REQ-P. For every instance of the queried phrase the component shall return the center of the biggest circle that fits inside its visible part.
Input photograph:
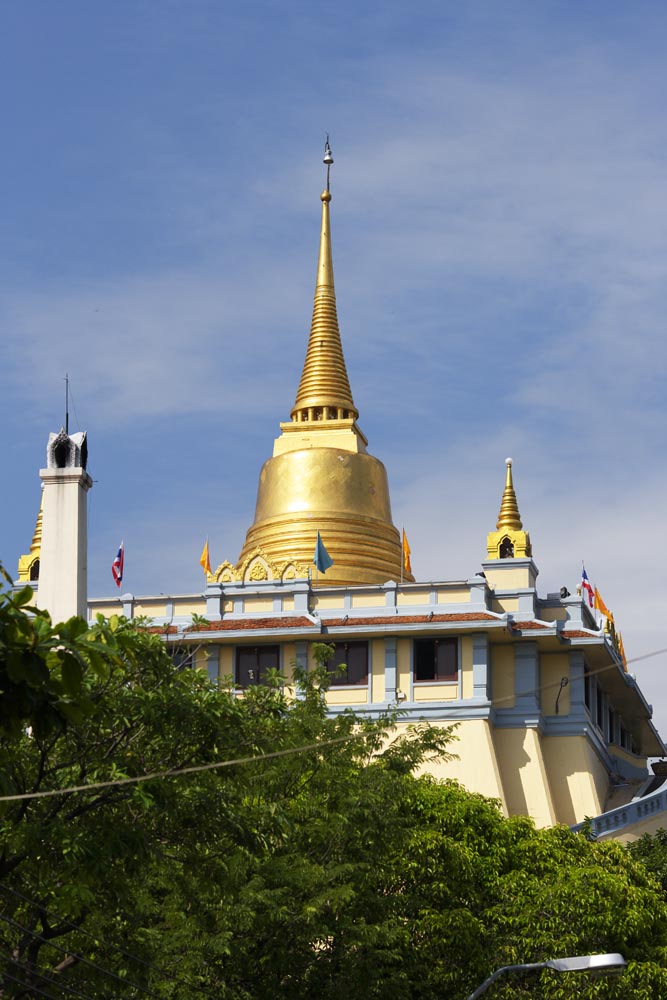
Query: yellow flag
(621, 649)
(601, 606)
(407, 568)
(205, 560)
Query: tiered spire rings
(509, 541)
(509, 516)
(324, 390)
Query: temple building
(549, 721)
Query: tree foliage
(651, 851)
(330, 872)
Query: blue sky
(500, 247)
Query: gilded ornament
(258, 572)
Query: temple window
(34, 571)
(353, 656)
(506, 549)
(252, 663)
(436, 659)
(183, 657)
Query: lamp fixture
(576, 963)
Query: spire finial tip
(328, 160)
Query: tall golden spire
(509, 516)
(321, 477)
(324, 390)
(509, 541)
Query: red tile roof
(578, 634)
(467, 616)
(251, 624)
(528, 626)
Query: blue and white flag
(321, 558)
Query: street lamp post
(577, 963)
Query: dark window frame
(432, 660)
(250, 663)
(356, 656)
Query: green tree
(651, 851)
(330, 872)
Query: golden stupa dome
(321, 477)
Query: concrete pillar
(63, 572)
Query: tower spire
(508, 516)
(324, 390)
(321, 477)
(509, 541)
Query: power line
(177, 772)
(114, 947)
(29, 986)
(53, 982)
(80, 958)
(591, 673)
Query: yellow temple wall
(524, 774)
(467, 684)
(411, 598)
(499, 605)
(458, 596)
(287, 661)
(403, 650)
(258, 605)
(553, 614)
(553, 667)
(443, 691)
(502, 661)
(377, 672)
(107, 610)
(504, 578)
(475, 765)
(577, 776)
(226, 663)
(347, 696)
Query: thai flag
(117, 565)
(586, 587)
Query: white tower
(63, 571)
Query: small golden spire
(29, 563)
(509, 516)
(36, 545)
(324, 390)
(509, 541)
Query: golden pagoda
(509, 541)
(321, 477)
